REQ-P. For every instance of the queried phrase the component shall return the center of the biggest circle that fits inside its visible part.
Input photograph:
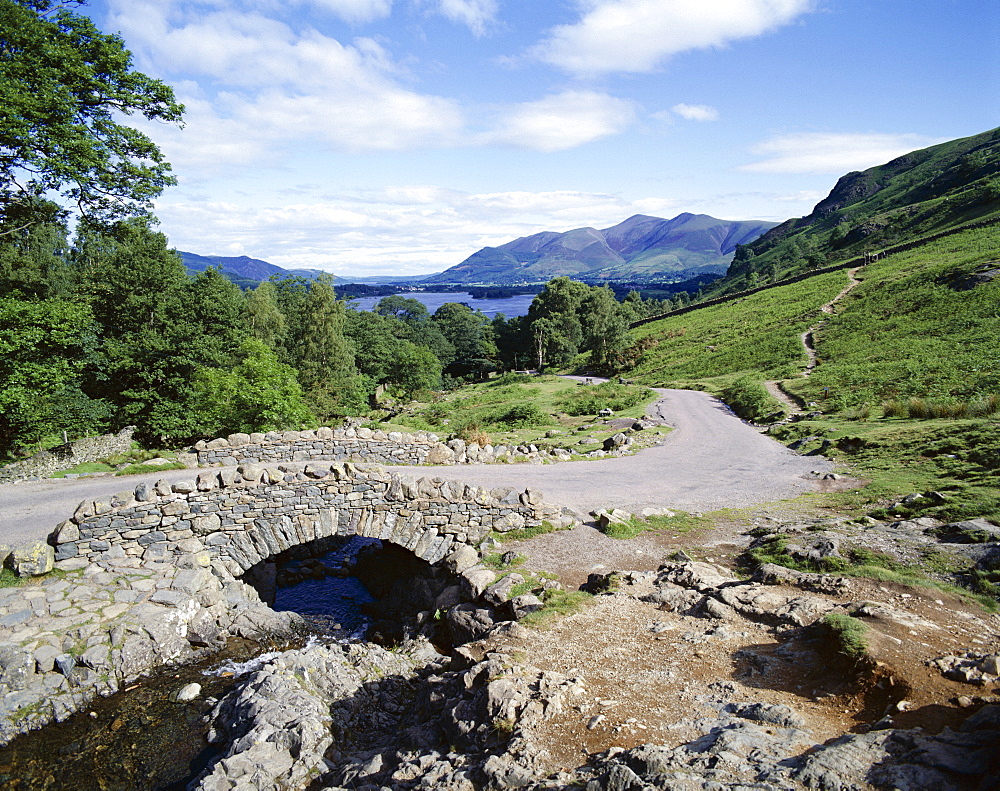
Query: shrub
(473, 432)
(851, 634)
(930, 409)
(749, 399)
(858, 413)
(517, 416)
(591, 399)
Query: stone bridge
(242, 516)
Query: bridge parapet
(240, 517)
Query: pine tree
(326, 357)
(264, 318)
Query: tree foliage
(258, 394)
(63, 86)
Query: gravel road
(711, 460)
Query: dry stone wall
(359, 444)
(62, 457)
(246, 515)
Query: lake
(432, 300)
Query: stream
(138, 740)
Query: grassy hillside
(758, 334)
(915, 327)
(907, 386)
(918, 194)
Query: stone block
(64, 533)
(170, 598)
(66, 551)
(475, 581)
(208, 481)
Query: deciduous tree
(64, 88)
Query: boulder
(475, 581)
(468, 622)
(499, 591)
(33, 560)
(524, 604)
(462, 558)
(617, 442)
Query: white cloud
(355, 10)
(561, 121)
(696, 112)
(832, 152)
(639, 35)
(476, 14)
(406, 229)
(256, 91)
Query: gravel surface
(711, 460)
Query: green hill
(906, 389)
(919, 194)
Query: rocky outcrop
(366, 718)
(738, 753)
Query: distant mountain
(639, 248)
(246, 272)
(243, 267)
(918, 194)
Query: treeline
(109, 330)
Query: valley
(715, 509)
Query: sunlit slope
(757, 334)
(922, 323)
(918, 194)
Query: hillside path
(711, 460)
(808, 340)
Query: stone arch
(239, 517)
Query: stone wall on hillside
(62, 457)
(359, 444)
(247, 515)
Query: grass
(757, 335)
(512, 411)
(129, 463)
(494, 561)
(557, 603)
(523, 533)
(958, 459)
(678, 524)
(851, 634)
(907, 332)
(862, 562)
(8, 579)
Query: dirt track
(711, 460)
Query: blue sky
(369, 137)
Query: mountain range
(640, 248)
